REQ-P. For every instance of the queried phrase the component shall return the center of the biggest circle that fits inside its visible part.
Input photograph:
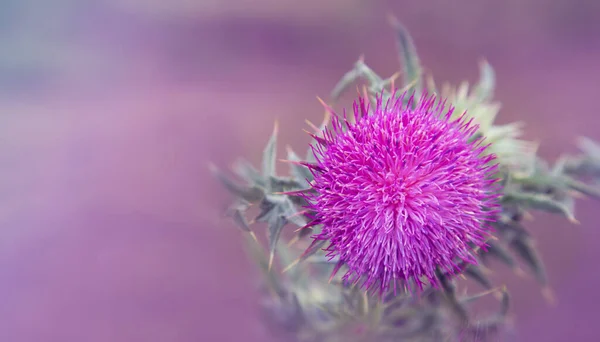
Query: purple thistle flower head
(401, 192)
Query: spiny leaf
(527, 252)
(237, 214)
(408, 57)
(590, 148)
(540, 182)
(501, 253)
(270, 154)
(249, 173)
(349, 78)
(476, 274)
(583, 188)
(540, 202)
(251, 194)
(450, 294)
(273, 282)
(275, 228)
(277, 211)
(283, 184)
(484, 90)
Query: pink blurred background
(110, 222)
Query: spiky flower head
(404, 191)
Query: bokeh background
(110, 224)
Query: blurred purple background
(110, 111)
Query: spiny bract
(404, 191)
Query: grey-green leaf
(527, 252)
(476, 274)
(249, 173)
(349, 78)
(484, 90)
(251, 194)
(540, 202)
(270, 154)
(301, 174)
(583, 188)
(408, 58)
(276, 225)
(501, 253)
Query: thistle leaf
(583, 188)
(301, 173)
(540, 202)
(524, 248)
(249, 173)
(501, 253)
(590, 148)
(251, 194)
(348, 78)
(275, 228)
(476, 274)
(237, 214)
(484, 90)
(273, 282)
(408, 58)
(450, 295)
(270, 154)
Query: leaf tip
(253, 236)
(549, 296)
(271, 256)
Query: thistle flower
(404, 192)
(401, 193)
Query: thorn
(253, 236)
(519, 272)
(271, 255)
(393, 79)
(312, 125)
(289, 149)
(528, 216)
(462, 276)
(392, 20)
(331, 278)
(324, 104)
(573, 220)
(276, 127)
(409, 85)
(361, 58)
(485, 270)
(358, 90)
(212, 167)
(295, 162)
(290, 266)
(321, 141)
(576, 194)
(293, 240)
(298, 213)
(326, 118)
(497, 292)
(299, 229)
(365, 92)
(549, 295)
(289, 193)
